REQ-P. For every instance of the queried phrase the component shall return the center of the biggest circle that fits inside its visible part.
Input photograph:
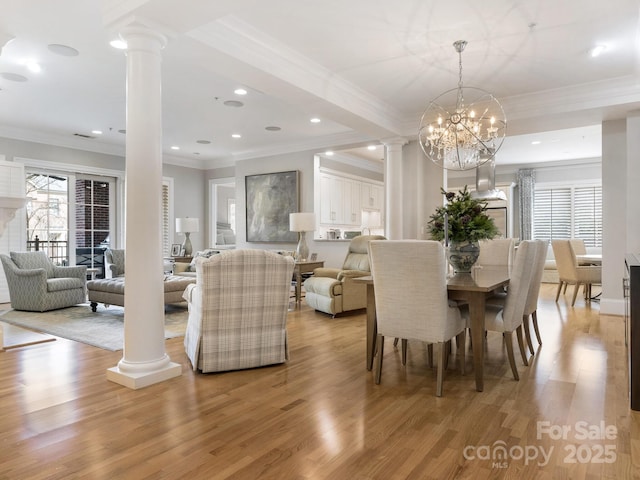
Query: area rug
(104, 328)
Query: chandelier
(463, 127)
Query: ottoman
(110, 291)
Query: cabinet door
(332, 199)
(354, 204)
(371, 196)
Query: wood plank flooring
(320, 416)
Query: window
(93, 221)
(568, 212)
(47, 215)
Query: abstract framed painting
(270, 198)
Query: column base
(136, 380)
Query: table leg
(372, 326)
(476, 315)
(298, 287)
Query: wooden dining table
(472, 288)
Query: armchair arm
(31, 282)
(346, 274)
(326, 272)
(76, 271)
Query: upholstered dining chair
(411, 299)
(531, 305)
(37, 285)
(238, 310)
(570, 273)
(508, 317)
(497, 252)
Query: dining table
(471, 288)
(589, 259)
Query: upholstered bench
(110, 291)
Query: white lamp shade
(188, 224)
(302, 222)
(370, 219)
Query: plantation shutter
(166, 246)
(552, 213)
(588, 215)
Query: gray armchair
(37, 285)
(113, 263)
(332, 290)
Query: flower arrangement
(465, 218)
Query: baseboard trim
(611, 306)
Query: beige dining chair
(531, 305)
(570, 273)
(411, 299)
(508, 317)
(497, 252)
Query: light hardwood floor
(320, 416)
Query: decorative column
(393, 188)
(144, 360)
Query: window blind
(568, 212)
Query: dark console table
(632, 264)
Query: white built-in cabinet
(342, 200)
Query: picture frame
(270, 198)
(313, 257)
(175, 249)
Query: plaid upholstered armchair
(37, 285)
(238, 310)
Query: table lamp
(187, 226)
(302, 222)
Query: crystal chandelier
(463, 127)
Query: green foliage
(467, 218)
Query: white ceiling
(367, 68)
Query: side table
(299, 269)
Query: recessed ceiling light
(315, 120)
(96, 132)
(236, 135)
(240, 91)
(273, 128)
(119, 44)
(203, 142)
(597, 50)
(175, 147)
(329, 153)
(14, 77)
(233, 103)
(371, 147)
(63, 50)
(536, 142)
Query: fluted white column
(144, 360)
(393, 188)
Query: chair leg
(523, 351)
(565, 288)
(527, 333)
(559, 290)
(380, 345)
(395, 342)
(534, 317)
(430, 354)
(512, 361)
(448, 353)
(440, 373)
(404, 351)
(575, 294)
(461, 340)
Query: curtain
(526, 190)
